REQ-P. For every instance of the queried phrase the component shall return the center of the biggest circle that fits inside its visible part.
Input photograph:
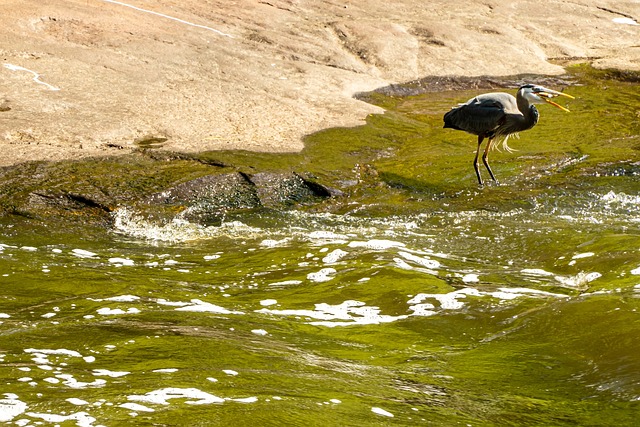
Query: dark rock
(210, 198)
(228, 191)
(203, 200)
(277, 190)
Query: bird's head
(539, 94)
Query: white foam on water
(376, 244)
(56, 352)
(163, 301)
(535, 272)
(108, 373)
(106, 311)
(513, 293)
(259, 332)
(4, 316)
(162, 396)
(448, 301)
(635, 271)
(348, 313)
(324, 275)
(286, 283)
(11, 407)
(400, 263)
(211, 257)
(81, 253)
(583, 255)
(451, 300)
(268, 302)
(380, 411)
(578, 281)
(119, 262)
(423, 310)
(119, 298)
(621, 198)
(76, 401)
(334, 256)
(470, 278)
(251, 399)
(165, 371)
(82, 419)
(230, 372)
(136, 407)
(327, 237)
(205, 307)
(422, 261)
(126, 221)
(70, 381)
(270, 243)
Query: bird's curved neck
(529, 113)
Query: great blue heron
(499, 115)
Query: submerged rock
(204, 200)
(208, 199)
(230, 190)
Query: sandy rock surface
(90, 77)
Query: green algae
(570, 359)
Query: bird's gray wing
(480, 115)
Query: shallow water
(422, 305)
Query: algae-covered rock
(209, 198)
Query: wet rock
(229, 191)
(277, 190)
(208, 199)
(48, 204)
(204, 200)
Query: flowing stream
(509, 305)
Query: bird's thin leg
(475, 161)
(485, 158)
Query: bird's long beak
(547, 94)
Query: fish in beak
(546, 95)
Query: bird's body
(499, 115)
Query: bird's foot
(491, 184)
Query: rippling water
(519, 317)
(421, 300)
